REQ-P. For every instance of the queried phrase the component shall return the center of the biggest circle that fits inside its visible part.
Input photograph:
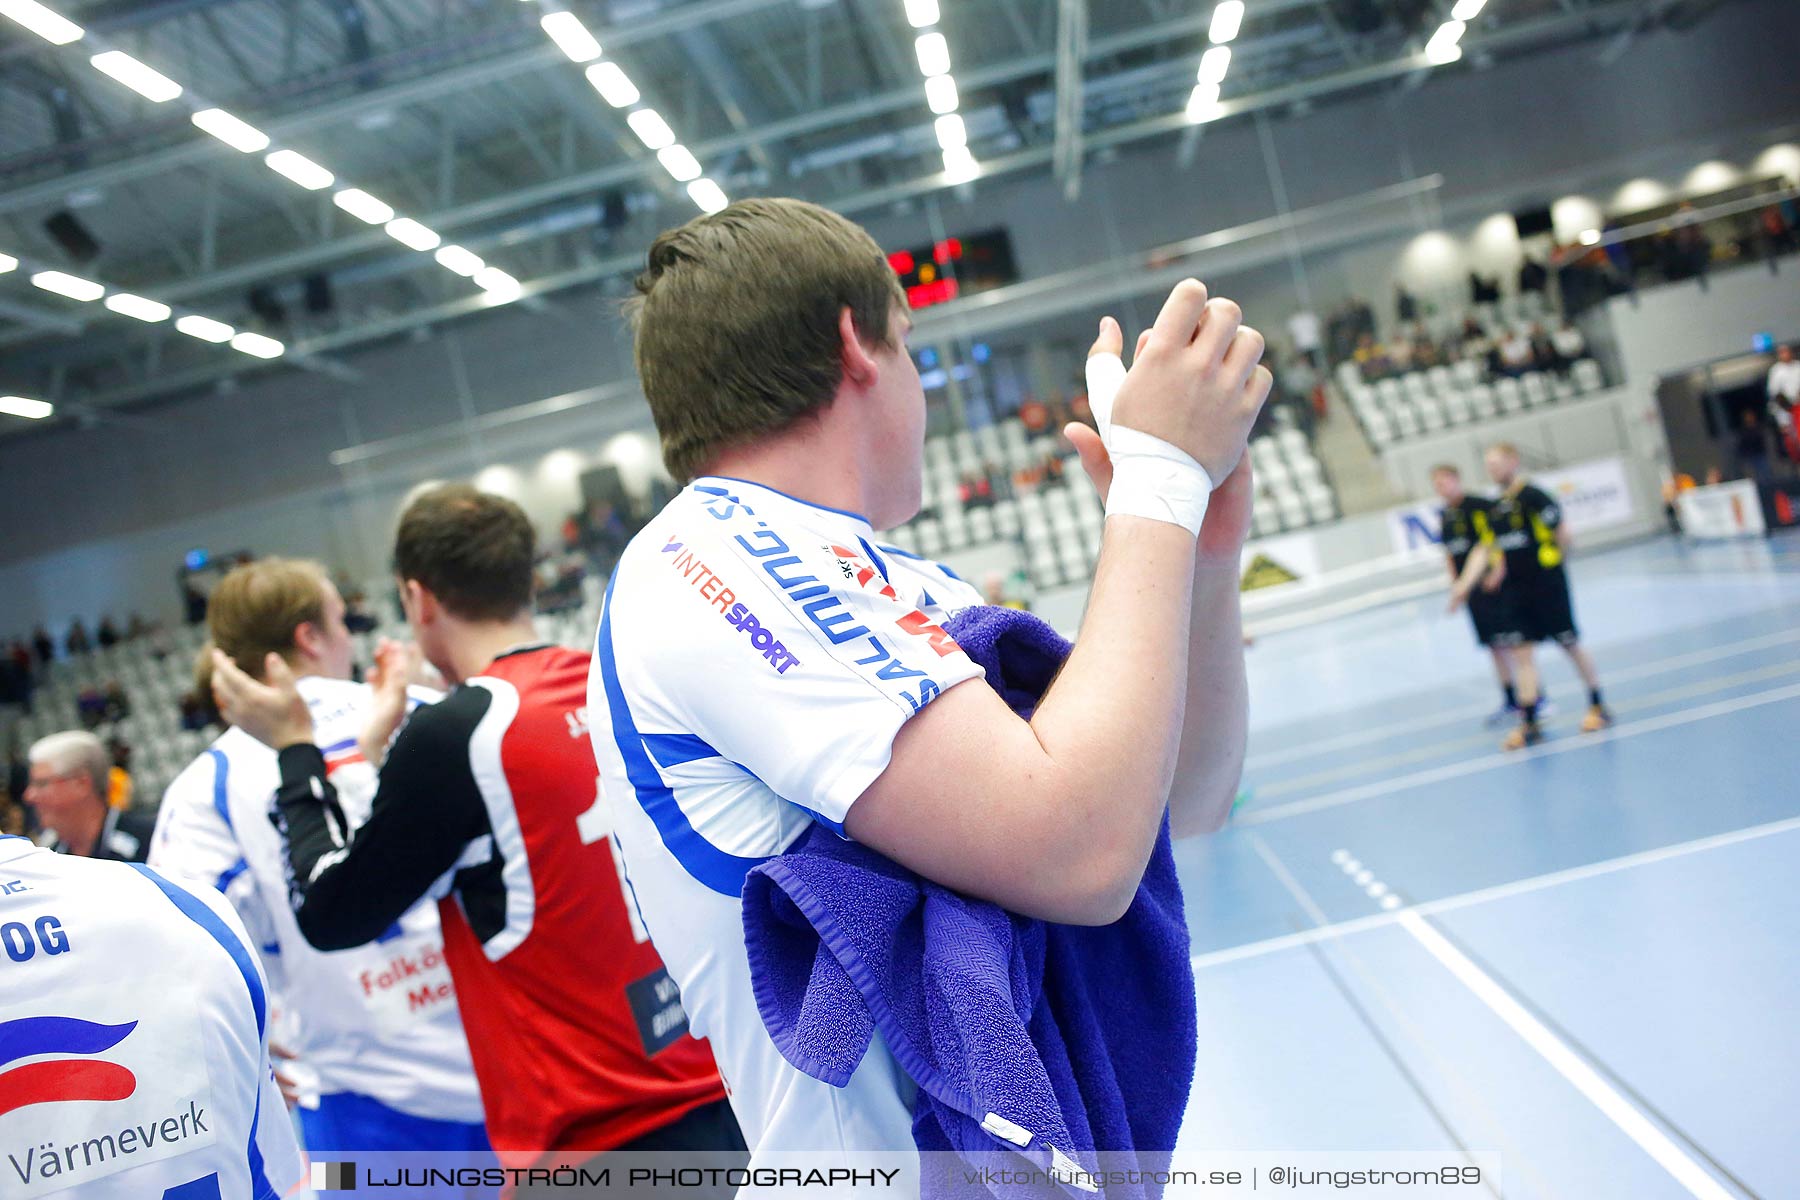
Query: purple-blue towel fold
(1083, 1036)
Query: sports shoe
(1508, 713)
(1597, 718)
(1522, 736)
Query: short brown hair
(736, 319)
(1446, 469)
(1506, 448)
(256, 609)
(471, 549)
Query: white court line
(1500, 758)
(1454, 716)
(1439, 750)
(1517, 887)
(1570, 1065)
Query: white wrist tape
(1151, 478)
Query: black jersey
(1522, 524)
(1461, 528)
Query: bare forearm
(1216, 724)
(1112, 722)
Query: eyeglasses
(30, 784)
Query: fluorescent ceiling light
(463, 261)
(363, 206)
(1214, 63)
(1226, 19)
(204, 328)
(940, 93)
(146, 82)
(257, 345)
(960, 165)
(7, 263)
(499, 286)
(239, 135)
(1467, 10)
(138, 306)
(680, 162)
(651, 129)
(1203, 103)
(920, 13)
(22, 406)
(614, 86)
(934, 54)
(413, 235)
(301, 169)
(571, 36)
(72, 286)
(951, 132)
(57, 30)
(707, 194)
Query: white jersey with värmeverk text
(134, 1057)
(756, 657)
(379, 1020)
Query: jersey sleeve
(349, 885)
(1541, 505)
(194, 841)
(795, 660)
(1484, 529)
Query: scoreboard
(956, 266)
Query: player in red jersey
(489, 800)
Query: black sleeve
(1541, 505)
(347, 891)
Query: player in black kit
(1525, 527)
(1479, 588)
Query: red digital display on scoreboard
(954, 266)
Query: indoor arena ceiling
(490, 124)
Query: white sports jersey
(379, 1020)
(757, 655)
(134, 1059)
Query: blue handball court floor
(1584, 956)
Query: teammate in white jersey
(764, 662)
(378, 1025)
(134, 1059)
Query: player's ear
(859, 362)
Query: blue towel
(1084, 1037)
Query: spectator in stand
(1543, 350)
(1533, 276)
(1406, 305)
(108, 634)
(1753, 450)
(357, 617)
(117, 703)
(46, 649)
(1303, 327)
(90, 707)
(19, 675)
(1515, 354)
(1034, 415)
(1569, 344)
(69, 789)
(1425, 351)
(12, 815)
(77, 642)
(136, 628)
(1400, 352)
(1784, 387)
(1371, 358)
(198, 709)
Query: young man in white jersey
(134, 1050)
(378, 1026)
(764, 661)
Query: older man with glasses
(67, 792)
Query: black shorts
(1488, 613)
(1539, 607)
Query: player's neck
(478, 643)
(818, 460)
